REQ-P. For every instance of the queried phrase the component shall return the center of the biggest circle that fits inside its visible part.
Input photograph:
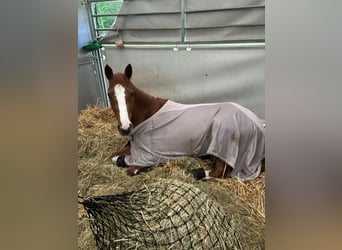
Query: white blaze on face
(119, 91)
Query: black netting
(164, 215)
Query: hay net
(164, 215)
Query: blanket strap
(224, 170)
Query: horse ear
(108, 72)
(128, 71)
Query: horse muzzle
(127, 131)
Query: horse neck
(145, 106)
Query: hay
(164, 214)
(98, 138)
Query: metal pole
(183, 19)
(192, 46)
(97, 54)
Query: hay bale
(97, 133)
(166, 214)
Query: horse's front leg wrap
(120, 161)
(118, 157)
(198, 173)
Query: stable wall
(196, 76)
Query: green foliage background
(110, 7)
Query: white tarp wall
(226, 60)
(212, 75)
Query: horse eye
(108, 95)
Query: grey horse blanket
(225, 130)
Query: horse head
(121, 95)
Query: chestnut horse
(133, 107)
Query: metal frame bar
(176, 12)
(227, 9)
(183, 29)
(97, 55)
(139, 14)
(192, 46)
(127, 29)
(95, 1)
(183, 21)
(227, 26)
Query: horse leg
(126, 150)
(118, 157)
(221, 169)
(134, 170)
